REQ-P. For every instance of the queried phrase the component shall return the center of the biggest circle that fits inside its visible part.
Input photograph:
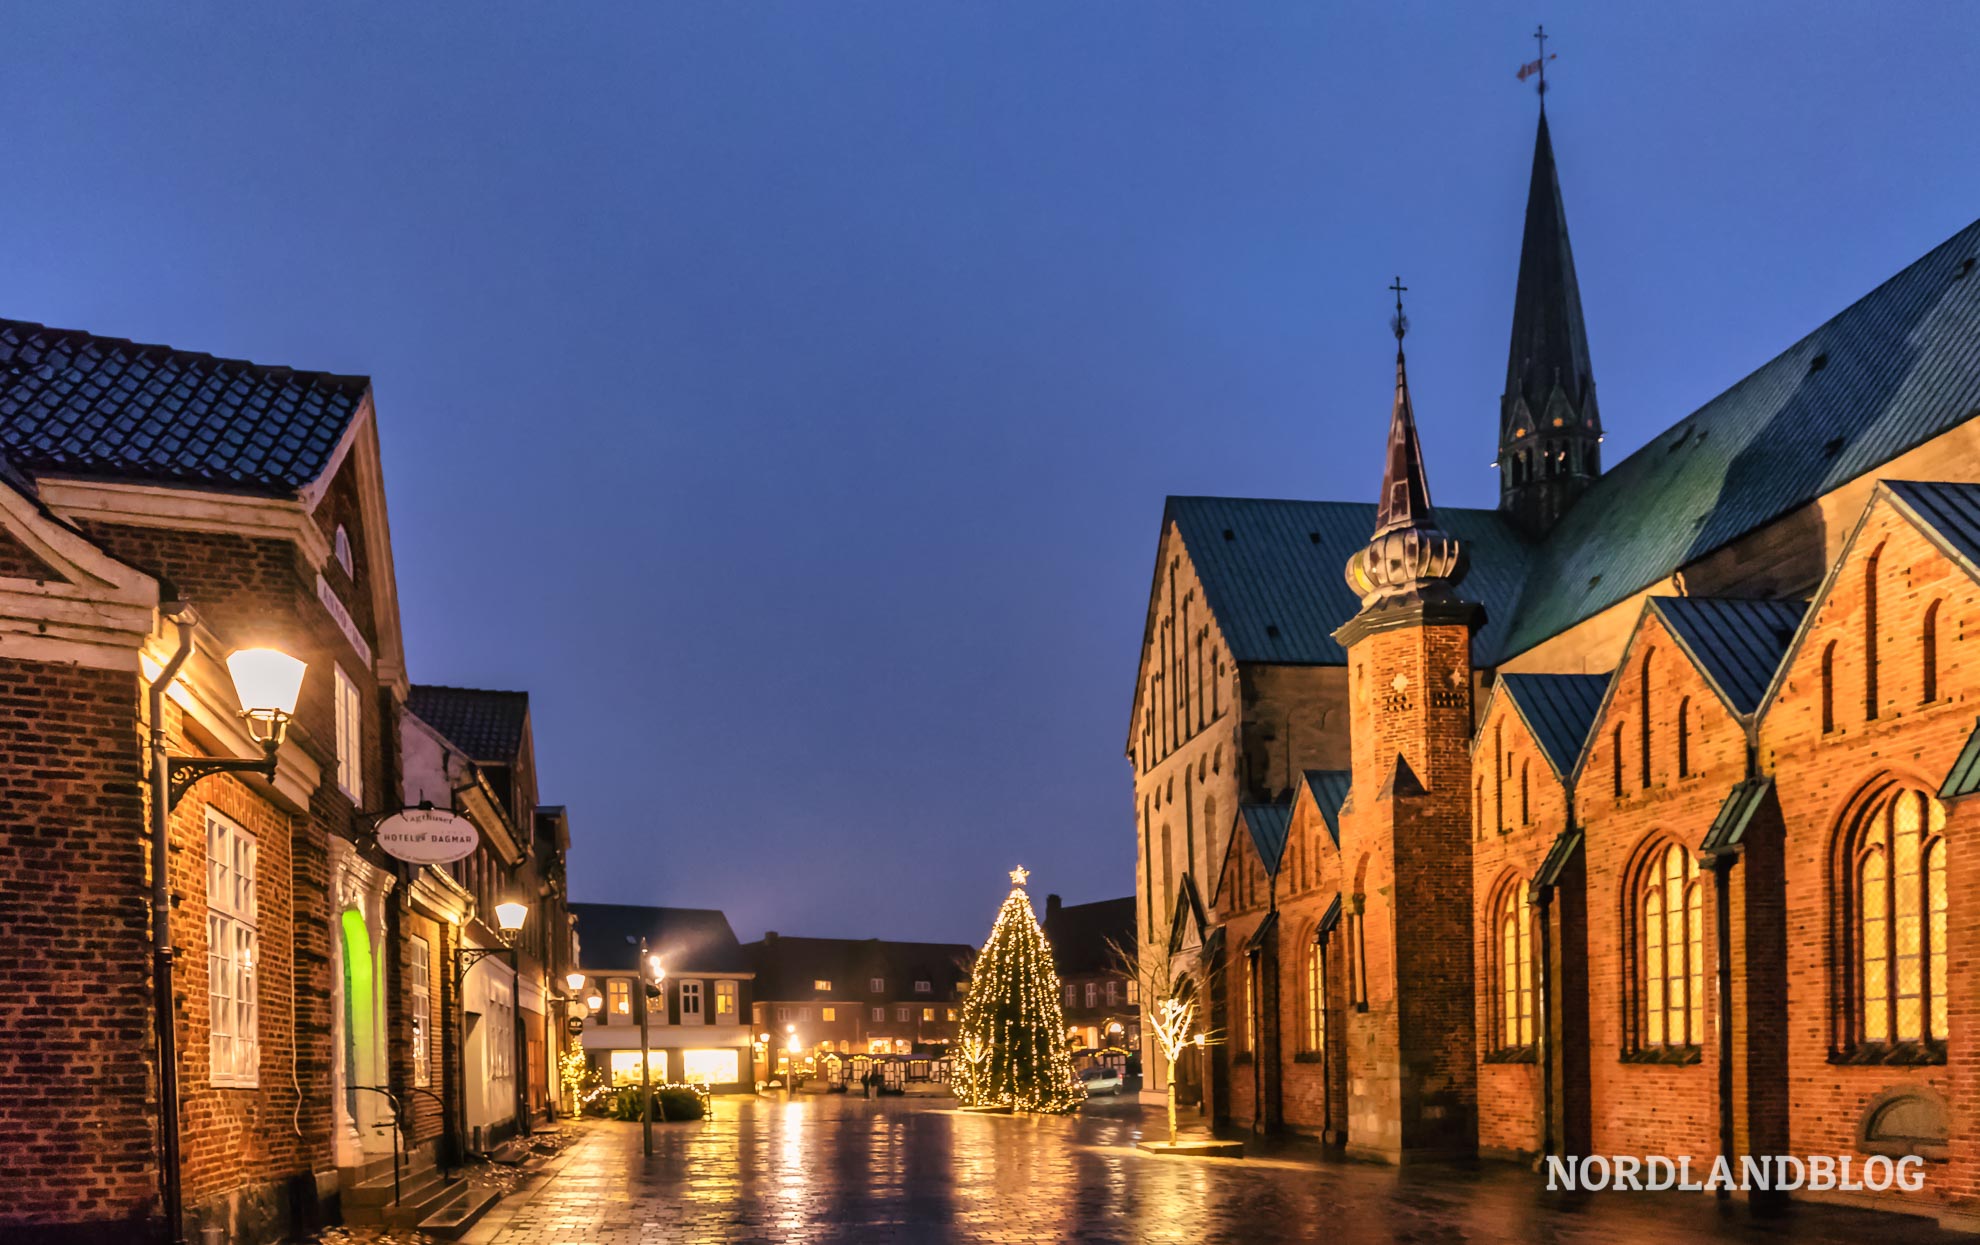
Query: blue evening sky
(785, 394)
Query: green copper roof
(1964, 777)
(1729, 827)
(1330, 789)
(1738, 644)
(1559, 709)
(1268, 824)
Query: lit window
(952, 1014)
(712, 1067)
(1316, 997)
(828, 1013)
(419, 991)
(928, 1013)
(1670, 936)
(618, 996)
(923, 987)
(879, 1014)
(691, 1002)
(1250, 1002)
(350, 737)
(876, 985)
(1134, 991)
(821, 985)
(1900, 927)
(233, 945)
(625, 1066)
(1512, 948)
(725, 1002)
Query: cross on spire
(1540, 38)
(1399, 323)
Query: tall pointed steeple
(1550, 430)
(1410, 560)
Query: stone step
(380, 1191)
(451, 1220)
(416, 1206)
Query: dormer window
(341, 545)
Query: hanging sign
(428, 836)
(574, 1026)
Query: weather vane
(1538, 66)
(1399, 322)
(1019, 874)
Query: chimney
(769, 936)
(1051, 906)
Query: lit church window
(1316, 996)
(1670, 939)
(1899, 865)
(1513, 951)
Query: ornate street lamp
(574, 982)
(266, 685)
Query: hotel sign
(428, 836)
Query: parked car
(1102, 1080)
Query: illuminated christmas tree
(1013, 1037)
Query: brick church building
(1621, 819)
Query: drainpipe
(1721, 882)
(1544, 1031)
(163, 1002)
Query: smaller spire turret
(1410, 559)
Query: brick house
(698, 1021)
(857, 995)
(1099, 995)
(138, 479)
(1620, 819)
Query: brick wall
(75, 1092)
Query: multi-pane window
(876, 985)
(1513, 950)
(1093, 994)
(879, 1014)
(901, 1015)
(1900, 921)
(952, 1013)
(1250, 1003)
(419, 995)
(350, 737)
(499, 1051)
(691, 1002)
(828, 1013)
(1670, 973)
(725, 1002)
(1316, 996)
(924, 987)
(618, 996)
(232, 946)
(821, 984)
(1072, 994)
(1113, 993)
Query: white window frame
(233, 946)
(879, 1015)
(350, 737)
(419, 994)
(900, 1015)
(1092, 994)
(690, 1002)
(924, 987)
(876, 985)
(822, 984)
(726, 998)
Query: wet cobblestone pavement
(832, 1169)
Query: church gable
(1876, 643)
(1185, 677)
(1514, 784)
(1664, 725)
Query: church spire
(1550, 430)
(1410, 560)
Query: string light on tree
(1013, 1033)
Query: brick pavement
(831, 1169)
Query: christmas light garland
(1013, 1036)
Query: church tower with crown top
(1405, 844)
(1550, 430)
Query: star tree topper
(1019, 874)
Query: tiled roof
(1268, 824)
(1559, 709)
(1330, 789)
(688, 940)
(1272, 571)
(1951, 510)
(1084, 935)
(487, 726)
(1738, 644)
(1330, 918)
(73, 403)
(1896, 368)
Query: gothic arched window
(1667, 904)
(1870, 633)
(1928, 655)
(1897, 922)
(1828, 687)
(1643, 685)
(1684, 738)
(1315, 1032)
(1511, 951)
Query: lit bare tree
(1168, 1017)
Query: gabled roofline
(1148, 623)
(1881, 491)
(1532, 732)
(1745, 720)
(1608, 694)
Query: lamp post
(266, 683)
(790, 1076)
(653, 977)
(509, 918)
